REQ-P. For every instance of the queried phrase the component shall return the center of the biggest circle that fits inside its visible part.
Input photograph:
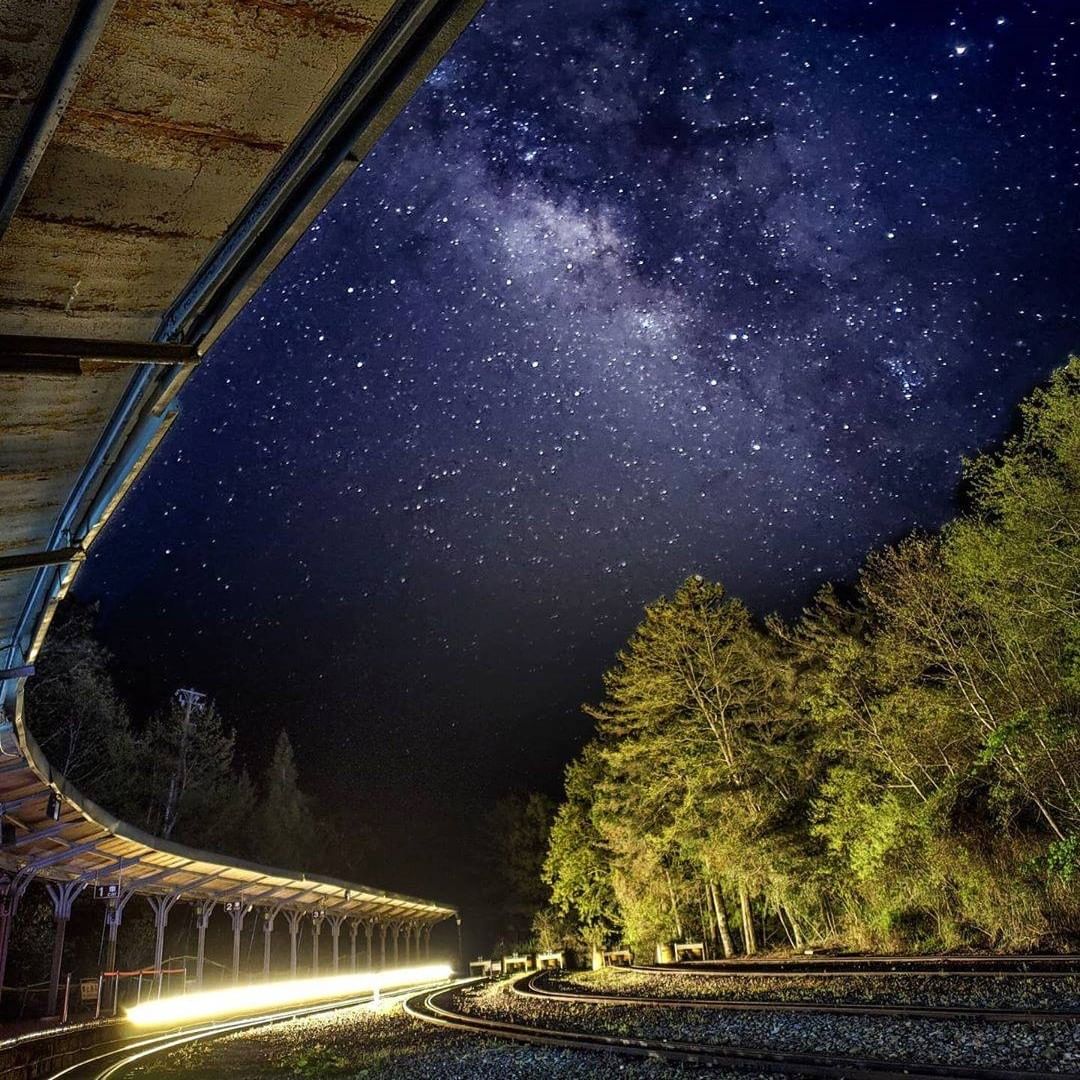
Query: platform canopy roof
(157, 160)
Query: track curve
(533, 987)
(112, 1063)
(934, 964)
(431, 1007)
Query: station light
(267, 997)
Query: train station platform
(156, 163)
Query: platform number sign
(107, 892)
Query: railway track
(432, 1007)
(943, 964)
(106, 1064)
(534, 987)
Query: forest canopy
(898, 768)
(175, 773)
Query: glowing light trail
(258, 997)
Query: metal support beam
(24, 672)
(396, 927)
(42, 861)
(63, 896)
(369, 930)
(237, 913)
(161, 906)
(427, 941)
(354, 928)
(31, 560)
(36, 834)
(114, 915)
(51, 101)
(382, 945)
(408, 928)
(269, 916)
(24, 349)
(293, 918)
(203, 910)
(316, 930)
(335, 922)
(11, 892)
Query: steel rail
(1006, 967)
(897, 960)
(424, 1006)
(532, 988)
(135, 1047)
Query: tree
(698, 721)
(283, 828)
(578, 863)
(75, 713)
(898, 769)
(191, 790)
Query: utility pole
(191, 701)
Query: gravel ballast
(362, 1042)
(1057, 993)
(1050, 1047)
(359, 1042)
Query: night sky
(631, 290)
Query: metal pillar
(382, 945)
(237, 910)
(335, 933)
(114, 915)
(203, 910)
(62, 896)
(161, 906)
(269, 915)
(408, 941)
(369, 930)
(354, 929)
(11, 892)
(427, 941)
(293, 918)
(396, 927)
(316, 930)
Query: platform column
(396, 927)
(203, 910)
(161, 906)
(316, 930)
(114, 916)
(62, 896)
(408, 942)
(237, 910)
(427, 941)
(335, 933)
(354, 928)
(269, 916)
(293, 919)
(382, 945)
(11, 892)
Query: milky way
(629, 291)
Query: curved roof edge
(57, 833)
(88, 843)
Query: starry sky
(631, 290)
